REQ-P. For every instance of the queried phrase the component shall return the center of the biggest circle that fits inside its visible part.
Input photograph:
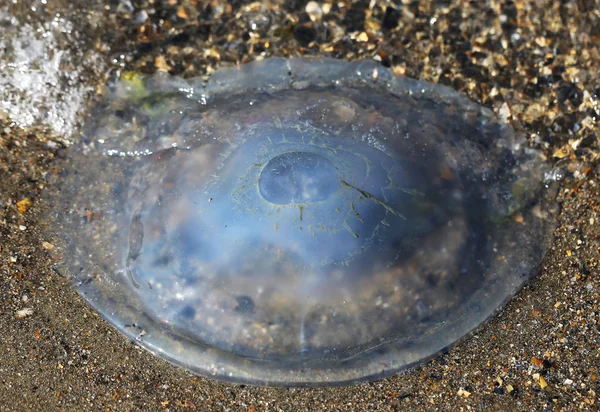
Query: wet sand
(534, 63)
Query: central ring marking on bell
(298, 177)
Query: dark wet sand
(534, 62)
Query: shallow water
(298, 221)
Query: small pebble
(23, 313)
(161, 64)
(314, 10)
(463, 393)
(23, 205)
(537, 362)
(362, 37)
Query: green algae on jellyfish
(298, 222)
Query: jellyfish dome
(298, 222)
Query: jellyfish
(298, 221)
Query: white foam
(40, 81)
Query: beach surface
(535, 63)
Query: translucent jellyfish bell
(298, 222)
